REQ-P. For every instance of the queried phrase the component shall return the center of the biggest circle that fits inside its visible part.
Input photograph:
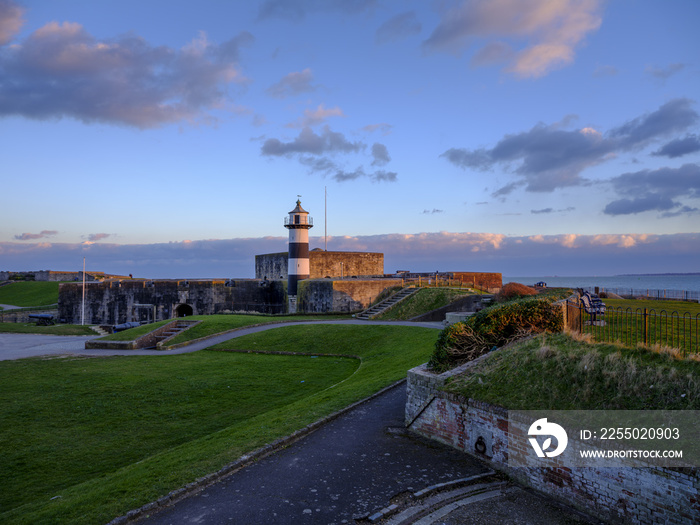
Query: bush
(514, 290)
(492, 328)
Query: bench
(594, 306)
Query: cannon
(42, 319)
(125, 326)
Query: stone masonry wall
(116, 302)
(347, 295)
(639, 494)
(322, 264)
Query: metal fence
(677, 295)
(631, 326)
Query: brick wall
(640, 494)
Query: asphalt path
(349, 468)
(18, 346)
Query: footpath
(354, 467)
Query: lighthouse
(298, 223)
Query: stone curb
(423, 494)
(242, 462)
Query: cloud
(547, 32)
(565, 254)
(312, 150)
(656, 190)
(60, 70)
(398, 27)
(293, 84)
(309, 142)
(380, 154)
(662, 73)
(94, 237)
(298, 9)
(679, 147)
(10, 20)
(548, 157)
(34, 236)
(673, 117)
(383, 127)
(433, 211)
(316, 116)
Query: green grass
(32, 328)
(103, 436)
(558, 372)
(674, 324)
(29, 293)
(212, 325)
(425, 300)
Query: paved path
(349, 468)
(18, 346)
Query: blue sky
(169, 139)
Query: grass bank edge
(568, 372)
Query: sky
(169, 139)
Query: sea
(684, 282)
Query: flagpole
(82, 318)
(325, 218)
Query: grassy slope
(557, 372)
(29, 293)
(426, 300)
(179, 395)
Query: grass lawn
(29, 293)
(32, 328)
(425, 300)
(670, 323)
(559, 372)
(86, 439)
(212, 325)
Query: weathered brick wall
(640, 494)
(492, 282)
(347, 295)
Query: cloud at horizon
(566, 254)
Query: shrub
(492, 328)
(514, 290)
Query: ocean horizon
(689, 282)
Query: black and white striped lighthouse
(298, 223)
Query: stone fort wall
(117, 302)
(322, 264)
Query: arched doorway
(183, 310)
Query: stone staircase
(382, 307)
(172, 330)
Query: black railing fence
(631, 326)
(676, 295)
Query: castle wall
(116, 302)
(348, 295)
(322, 264)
